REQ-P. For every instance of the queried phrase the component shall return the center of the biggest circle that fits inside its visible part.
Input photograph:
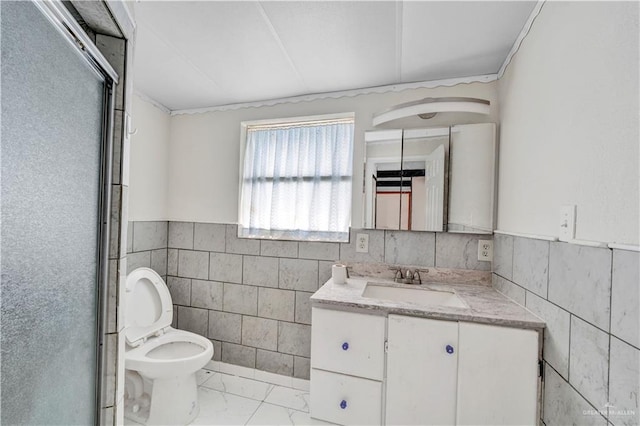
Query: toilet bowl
(160, 361)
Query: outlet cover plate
(485, 250)
(567, 229)
(362, 243)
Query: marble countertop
(484, 304)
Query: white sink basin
(418, 296)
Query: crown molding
(345, 93)
(523, 33)
(152, 102)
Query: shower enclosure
(57, 109)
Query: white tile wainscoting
(589, 298)
(234, 395)
(251, 297)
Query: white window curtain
(297, 181)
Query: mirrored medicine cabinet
(439, 179)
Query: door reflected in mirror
(405, 179)
(435, 179)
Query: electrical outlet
(567, 228)
(362, 243)
(485, 250)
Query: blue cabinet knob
(345, 346)
(343, 404)
(449, 349)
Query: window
(296, 180)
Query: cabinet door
(497, 375)
(348, 342)
(345, 400)
(422, 364)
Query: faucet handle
(397, 273)
(416, 275)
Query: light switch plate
(362, 243)
(567, 230)
(485, 250)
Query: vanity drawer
(345, 400)
(347, 342)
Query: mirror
(405, 179)
(383, 161)
(472, 175)
(435, 179)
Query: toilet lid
(148, 306)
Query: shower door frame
(65, 23)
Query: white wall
(149, 171)
(204, 149)
(569, 124)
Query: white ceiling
(212, 53)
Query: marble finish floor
(235, 395)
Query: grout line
(574, 389)
(289, 408)
(224, 249)
(208, 266)
(213, 373)
(254, 412)
(167, 253)
(609, 349)
(513, 249)
(273, 386)
(548, 268)
(279, 263)
(577, 316)
(241, 328)
(435, 249)
(608, 374)
(569, 353)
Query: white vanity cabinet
(422, 371)
(347, 366)
(432, 371)
(498, 375)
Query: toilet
(160, 361)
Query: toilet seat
(149, 310)
(155, 348)
(160, 361)
(173, 351)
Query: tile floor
(233, 395)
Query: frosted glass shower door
(51, 154)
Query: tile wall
(589, 298)
(147, 246)
(251, 297)
(118, 52)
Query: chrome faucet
(409, 277)
(416, 276)
(397, 274)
